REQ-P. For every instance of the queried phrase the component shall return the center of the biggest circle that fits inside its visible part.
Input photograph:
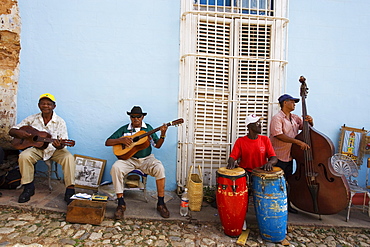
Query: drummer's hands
(230, 163)
(267, 167)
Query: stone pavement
(41, 222)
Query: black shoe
(26, 195)
(67, 196)
(292, 210)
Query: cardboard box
(86, 212)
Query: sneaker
(163, 211)
(26, 195)
(244, 225)
(120, 212)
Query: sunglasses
(136, 116)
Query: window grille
(254, 7)
(232, 65)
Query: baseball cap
(49, 96)
(285, 97)
(252, 118)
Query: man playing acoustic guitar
(45, 122)
(142, 159)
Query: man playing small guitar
(48, 122)
(142, 159)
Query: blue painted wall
(99, 58)
(328, 44)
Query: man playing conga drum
(253, 150)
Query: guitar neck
(151, 132)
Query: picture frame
(352, 143)
(89, 172)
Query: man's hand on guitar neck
(163, 130)
(58, 144)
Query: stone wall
(10, 27)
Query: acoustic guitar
(140, 141)
(38, 139)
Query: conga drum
(232, 199)
(270, 203)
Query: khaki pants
(29, 157)
(149, 165)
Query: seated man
(142, 159)
(47, 121)
(253, 150)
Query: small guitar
(140, 141)
(38, 139)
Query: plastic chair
(132, 181)
(346, 166)
(52, 168)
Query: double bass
(315, 187)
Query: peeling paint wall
(10, 26)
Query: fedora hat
(136, 110)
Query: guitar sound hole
(135, 139)
(35, 138)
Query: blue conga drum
(270, 203)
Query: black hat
(136, 110)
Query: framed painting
(89, 171)
(352, 143)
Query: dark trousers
(287, 167)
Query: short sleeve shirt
(128, 130)
(56, 127)
(253, 153)
(281, 124)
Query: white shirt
(56, 127)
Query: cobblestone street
(43, 228)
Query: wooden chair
(136, 180)
(344, 165)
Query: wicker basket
(195, 189)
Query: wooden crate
(86, 212)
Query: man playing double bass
(142, 159)
(284, 128)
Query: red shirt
(253, 153)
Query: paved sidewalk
(42, 220)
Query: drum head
(276, 172)
(236, 172)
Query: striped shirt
(281, 124)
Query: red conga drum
(232, 199)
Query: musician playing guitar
(142, 159)
(45, 122)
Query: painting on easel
(351, 143)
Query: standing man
(253, 150)
(284, 128)
(47, 120)
(142, 159)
